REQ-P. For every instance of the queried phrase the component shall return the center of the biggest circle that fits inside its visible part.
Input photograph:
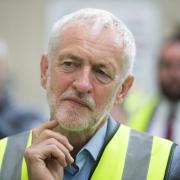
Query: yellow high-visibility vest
(129, 155)
(140, 119)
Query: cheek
(60, 82)
(104, 96)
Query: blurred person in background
(161, 114)
(13, 118)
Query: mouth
(78, 102)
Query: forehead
(89, 30)
(93, 37)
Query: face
(83, 77)
(169, 71)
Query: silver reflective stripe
(138, 156)
(12, 162)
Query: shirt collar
(95, 144)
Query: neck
(78, 138)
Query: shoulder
(17, 138)
(11, 155)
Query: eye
(101, 72)
(68, 65)
(102, 75)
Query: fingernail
(72, 160)
(71, 147)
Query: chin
(74, 121)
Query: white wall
(22, 26)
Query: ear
(124, 88)
(44, 70)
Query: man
(13, 118)
(161, 115)
(86, 71)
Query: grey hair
(105, 19)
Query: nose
(83, 82)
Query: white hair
(106, 19)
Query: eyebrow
(78, 58)
(71, 56)
(106, 65)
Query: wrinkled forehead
(94, 31)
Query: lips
(78, 102)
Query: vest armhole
(168, 167)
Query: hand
(48, 154)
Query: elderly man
(85, 72)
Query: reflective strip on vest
(12, 160)
(137, 160)
(24, 174)
(138, 156)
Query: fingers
(49, 150)
(47, 125)
(48, 146)
(63, 149)
(47, 134)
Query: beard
(76, 119)
(72, 116)
(171, 91)
(73, 119)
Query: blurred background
(25, 27)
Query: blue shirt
(86, 157)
